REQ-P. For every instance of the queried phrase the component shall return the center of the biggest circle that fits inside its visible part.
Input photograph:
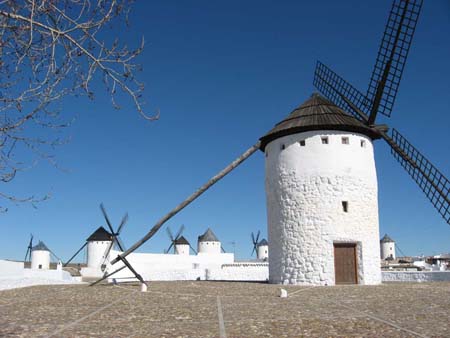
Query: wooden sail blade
(392, 55)
(340, 92)
(432, 182)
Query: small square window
(324, 140)
(345, 140)
(267, 153)
(283, 147)
(302, 143)
(345, 206)
(363, 143)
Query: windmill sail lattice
(432, 182)
(392, 55)
(339, 91)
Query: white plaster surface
(182, 249)
(416, 276)
(170, 266)
(305, 187)
(11, 268)
(14, 275)
(387, 249)
(96, 251)
(255, 272)
(40, 258)
(209, 247)
(262, 252)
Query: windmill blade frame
(75, 254)
(340, 92)
(430, 180)
(105, 215)
(179, 232)
(122, 223)
(392, 55)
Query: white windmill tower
(387, 248)
(40, 256)
(321, 188)
(208, 243)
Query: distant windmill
(114, 237)
(30, 246)
(255, 241)
(173, 239)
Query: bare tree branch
(50, 49)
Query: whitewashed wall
(416, 276)
(255, 272)
(11, 268)
(305, 187)
(40, 259)
(162, 266)
(387, 249)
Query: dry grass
(190, 309)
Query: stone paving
(216, 309)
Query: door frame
(355, 255)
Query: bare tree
(50, 49)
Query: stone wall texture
(305, 188)
(416, 276)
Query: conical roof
(263, 242)
(386, 239)
(316, 113)
(100, 235)
(208, 236)
(40, 246)
(181, 241)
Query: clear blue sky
(222, 74)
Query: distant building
(40, 257)
(387, 248)
(262, 250)
(209, 243)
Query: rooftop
(40, 246)
(208, 236)
(100, 235)
(386, 239)
(316, 113)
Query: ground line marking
(87, 316)
(383, 321)
(301, 290)
(220, 315)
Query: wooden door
(345, 263)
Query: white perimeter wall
(11, 268)
(170, 266)
(305, 187)
(416, 276)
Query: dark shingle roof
(181, 240)
(263, 242)
(208, 236)
(316, 113)
(386, 239)
(100, 235)
(40, 246)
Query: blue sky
(222, 74)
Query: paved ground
(213, 309)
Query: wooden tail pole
(108, 275)
(128, 265)
(189, 200)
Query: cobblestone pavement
(215, 309)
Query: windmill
(30, 246)
(112, 236)
(255, 241)
(173, 239)
(380, 98)
(362, 109)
